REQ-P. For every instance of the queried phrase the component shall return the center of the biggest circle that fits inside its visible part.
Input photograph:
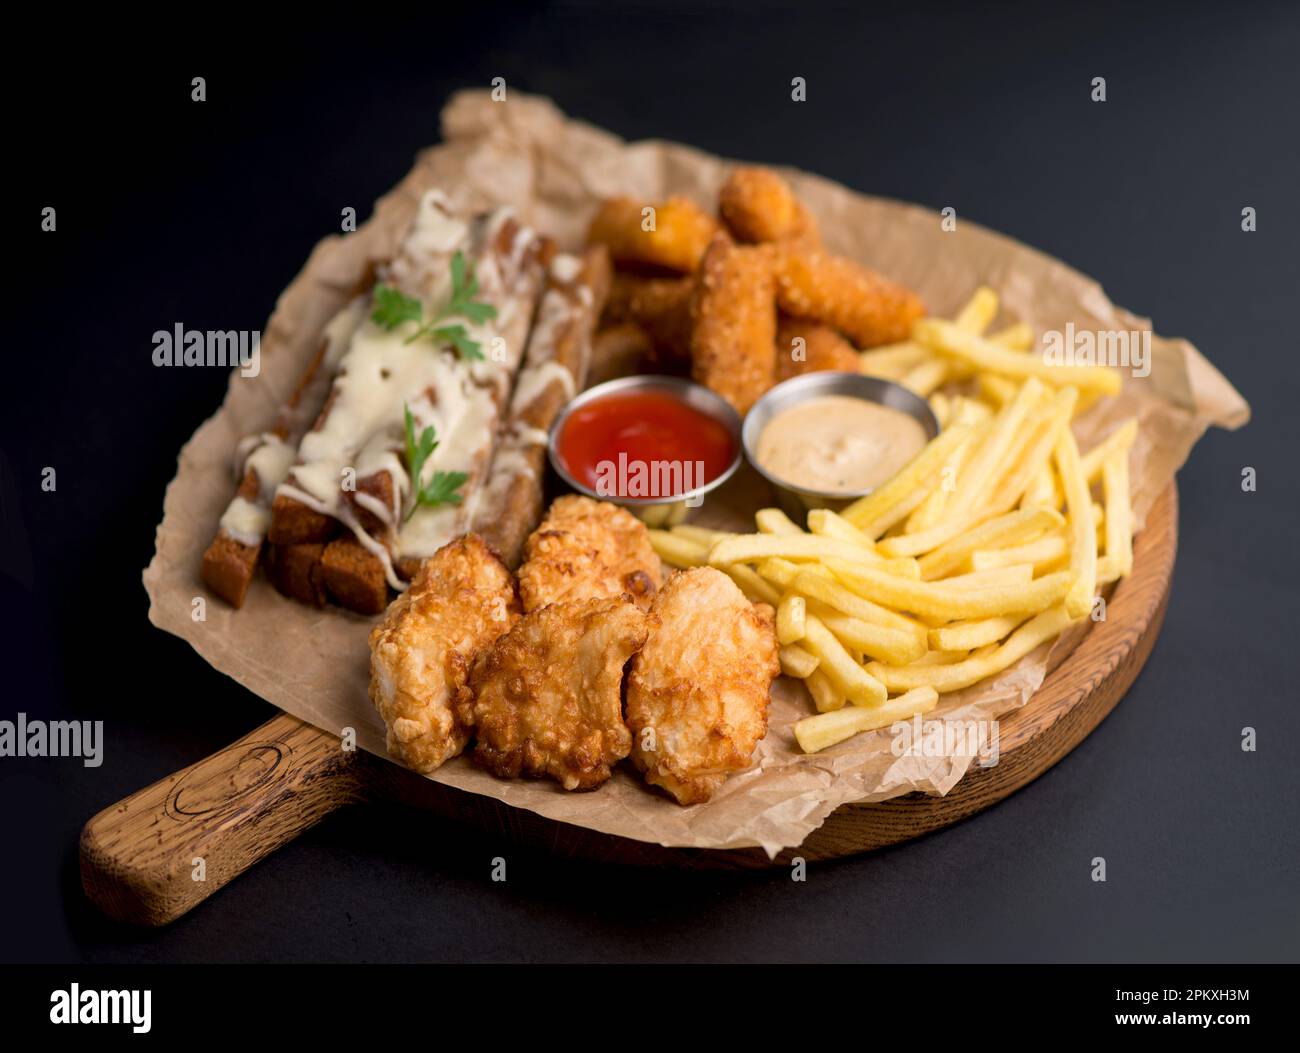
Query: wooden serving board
(139, 857)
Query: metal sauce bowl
(653, 511)
(795, 500)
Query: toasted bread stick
(555, 367)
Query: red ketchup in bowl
(641, 439)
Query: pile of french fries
(986, 545)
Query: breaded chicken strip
(865, 306)
(697, 695)
(733, 339)
(460, 601)
(546, 698)
(682, 231)
(823, 348)
(660, 306)
(587, 549)
(758, 205)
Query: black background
(170, 210)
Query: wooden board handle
(153, 856)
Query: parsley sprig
(441, 489)
(393, 308)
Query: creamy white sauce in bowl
(825, 439)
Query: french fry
(780, 572)
(826, 523)
(934, 599)
(703, 535)
(1018, 337)
(970, 635)
(944, 678)
(755, 588)
(1020, 473)
(940, 405)
(1041, 553)
(895, 646)
(1108, 570)
(979, 312)
(1083, 535)
(774, 521)
(931, 510)
(1008, 529)
(677, 550)
(941, 658)
(924, 377)
(1016, 574)
(1120, 439)
(754, 548)
(828, 728)
(1119, 513)
(996, 389)
(827, 698)
(966, 508)
(893, 360)
(915, 473)
(797, 662)
(845, 675)
(1042, 491)
(846, 601)
(984, 354)
(790, 616)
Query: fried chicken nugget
(823, 348)
(546, 699)
(733, 336)
(865, 306)
(587, 549)
(460, 601)
(682, 231)
(660, 306)
(758, 205)
(697, 694)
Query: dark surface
(174, 211)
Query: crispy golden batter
(587, 549)
(682, 231)
(461, 600)
(697, 695)
(758, 205)
(620, 350)
(733, 339)
(546, 698)
(660, 306)
(823, 348)
(865, 306)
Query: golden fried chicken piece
(697, 694)
(823, 348)
(660, 306)
(546, 698)
(865, 306)
(460, 601)
(587, 549)
(733, 335)
(758, 205)
(682, 231)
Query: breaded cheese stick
(675, 235)
(733, 335)
(822, 348)
(865, 306)
(757, 205)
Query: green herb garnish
(441, 489)
(393, 307)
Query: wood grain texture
(241, 804)
(139, 858)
